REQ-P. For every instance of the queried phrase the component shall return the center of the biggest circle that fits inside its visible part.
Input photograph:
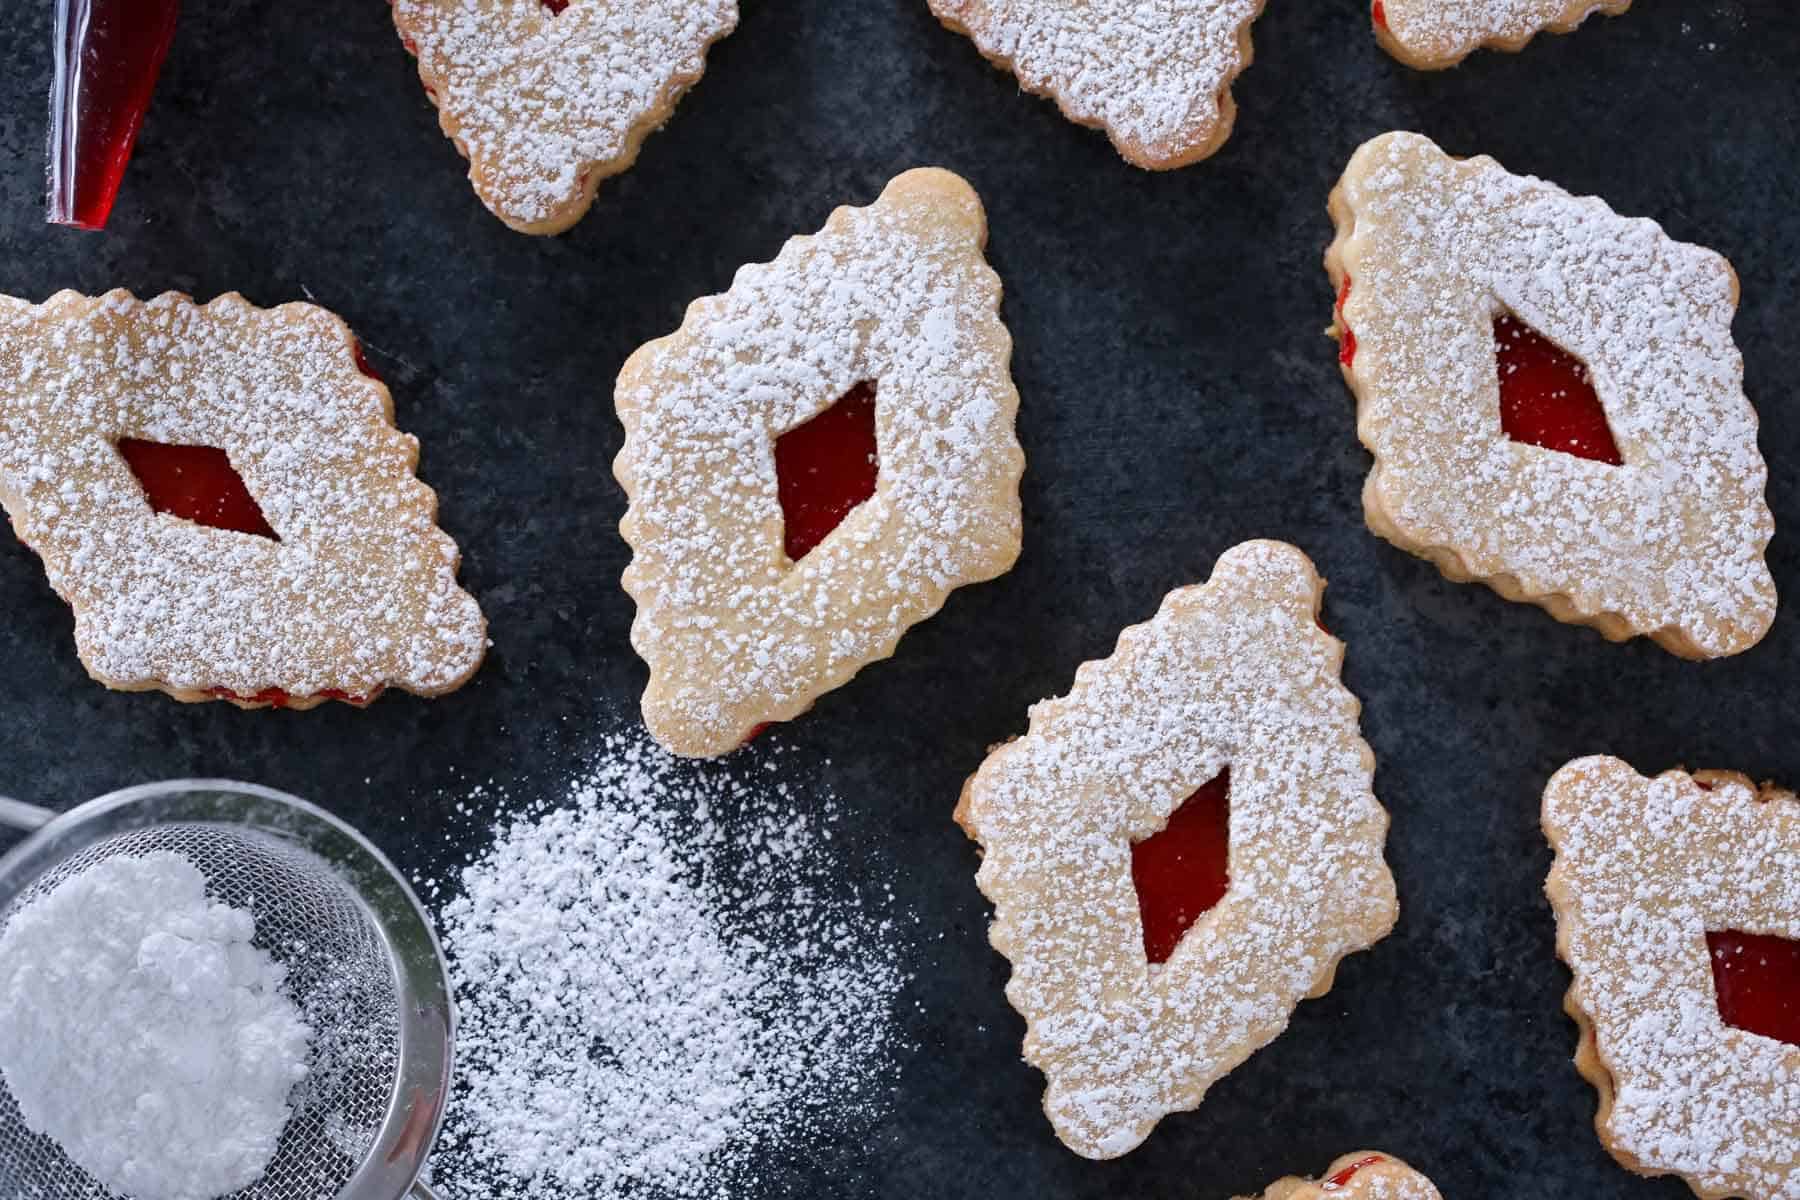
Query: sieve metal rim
(427, 1016)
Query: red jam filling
(1756, 978)
(1546, 396)
(1344, 1176)
(276, 698)
(1379, 13)
(825, 468)
(1182, 871)
(362, 361)
(108, 55)
(196, 483)
(1346, 339)
(555, 6)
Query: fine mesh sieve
(364, 968)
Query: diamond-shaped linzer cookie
(815, 460)
(1433, 34)
(1232, 682)
(1364, 1175)
(1552, 397)
(547, 99)
(1155, 75)
(1678, 910)
(219, 493)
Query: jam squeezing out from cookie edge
(1183, 870)
(1343, 1177)
(825, 468)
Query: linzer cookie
(1182, 848)
(1552, 398)
(1155, 76)
(546, 98)
(815, 460)
(1433, 34)
(1678, 909)
(219, 493)
(1360, 1176)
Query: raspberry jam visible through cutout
(1183, 870)
(196, 483)
(555, 6)
(1343, 1177)
(825, 468)
(1546, 396)
(1756, 979)
(108, 55)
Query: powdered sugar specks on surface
(1155, 74)
(546, 104)
(1438, 33)
(1644, 869)
(142, 1030)
(898, 293)
(1668, 545)
(662, 981)
(359, 593)
(1231, 673)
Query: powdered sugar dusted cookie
(815, 460)
(1678, 910)
(1155, 74)
(547, 99)
(1182, 848)
(1433, 34)
(1553, 398)
(1364, 1175)
(220, 494)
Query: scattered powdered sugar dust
(143, 1032)
(663, 980)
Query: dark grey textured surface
(1178, 398)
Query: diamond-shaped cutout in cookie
(1756, 980)
(1669, 543)
(736, 633)
(250, 410)
(195, 483)
(825, 468)
(1183, 869)
(1230, 674)
(1547, 395)
(1644, 868)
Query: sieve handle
(27, 818)
(421, 1191)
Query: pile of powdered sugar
(661, 979)
(143, 1032)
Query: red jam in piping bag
(108, 55)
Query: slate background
(1178, 398)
